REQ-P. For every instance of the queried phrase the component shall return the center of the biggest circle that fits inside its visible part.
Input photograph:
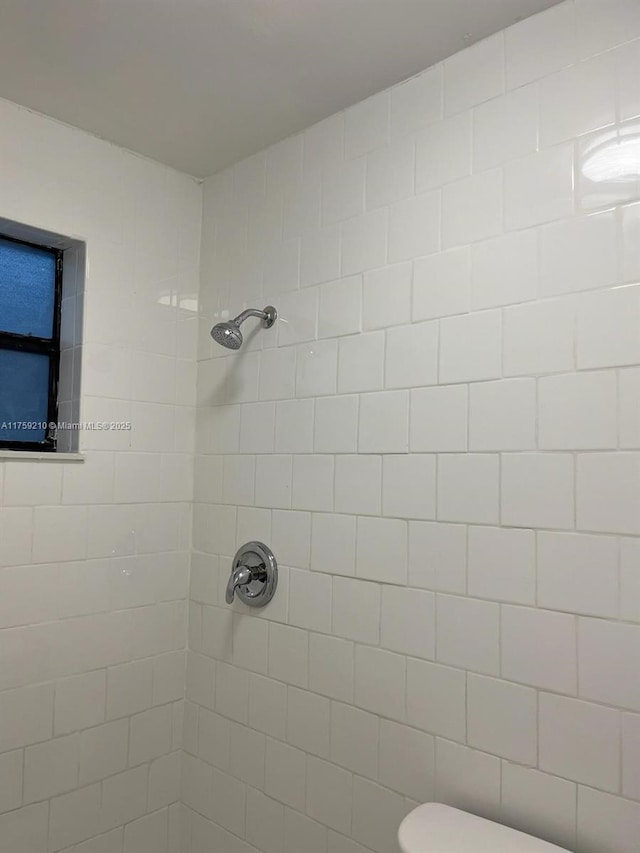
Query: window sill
(34, 456)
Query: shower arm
(268, 316)
(249, 312)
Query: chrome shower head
(229, 335)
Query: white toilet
(436, 828)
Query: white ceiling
(200, 84)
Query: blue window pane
(24, 395)
(27, 287)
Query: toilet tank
(436, 828)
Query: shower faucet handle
(254, 575)
(242, 576)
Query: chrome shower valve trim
(254, 575)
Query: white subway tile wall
(448, 456)
(95, 554)
(440, 440)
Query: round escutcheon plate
(259, 559)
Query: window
(30, 315)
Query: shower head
(229, 335)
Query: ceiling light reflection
(615, 160)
